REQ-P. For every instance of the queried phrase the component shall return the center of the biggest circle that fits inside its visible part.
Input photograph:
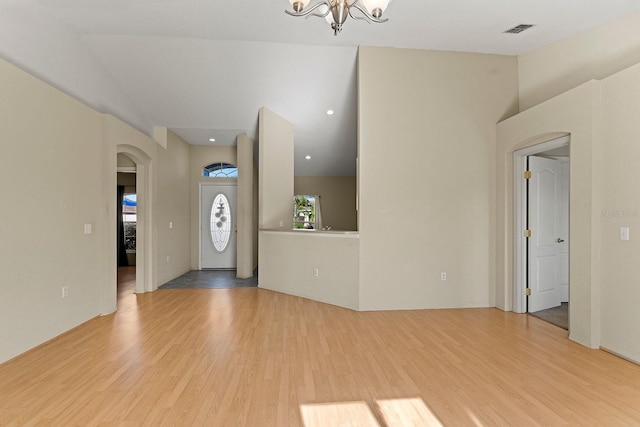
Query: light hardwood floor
(251, 357)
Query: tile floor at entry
(210, 279)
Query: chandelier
(336, 11)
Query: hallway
(126, 281)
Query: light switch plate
(624, 233)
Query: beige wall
(601, 119)
(247, 209)
(288, 260)
(275, 183)
(571, 113)
(600, 115)
(51, 177)
(619, 157)
(431, 115)
(594, 54)
(61, 159)
(174, 209)
(338, 198)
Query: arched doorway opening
(143, 239)
(126, 219)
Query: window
(304, 212)
(220, 170)
(220, 223)
(129, 219)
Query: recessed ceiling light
(212, 139)
(330, 112)
(308, 157)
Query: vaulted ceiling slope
(203, 68)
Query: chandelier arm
(358, 18)
(310, 12)
(365, 14)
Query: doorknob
(559, 240)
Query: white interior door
(545, 217)
(563, 232)
(218, 226)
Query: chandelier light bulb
(375, 7)
(299, 5)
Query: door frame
(519, 218)
(145, 254)
(212, 184)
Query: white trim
(519, 211)
(127, 169)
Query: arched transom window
(220, 170)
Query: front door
(218, 226)
(548, 239)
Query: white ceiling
(203, 68)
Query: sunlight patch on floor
(392, 413)
(474, 419)
(407, 412)
(343, 414)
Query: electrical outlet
(315, 272)
(65, 291)
(443, 276)
(281, 223)
(168, 258)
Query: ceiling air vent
(518, 28)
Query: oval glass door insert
(220, 222)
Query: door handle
(559, 240)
